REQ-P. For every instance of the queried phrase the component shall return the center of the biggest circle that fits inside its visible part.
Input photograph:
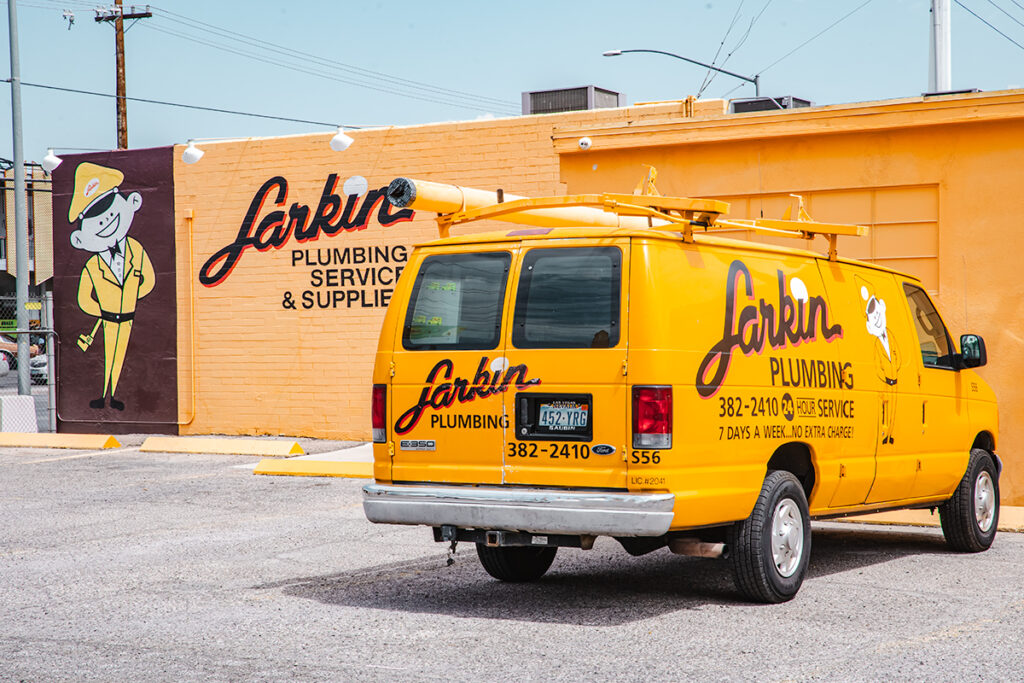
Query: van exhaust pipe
(694, 547)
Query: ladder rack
(686, 212)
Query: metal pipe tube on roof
(424, 195)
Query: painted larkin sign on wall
(336, 276)
(114, 290)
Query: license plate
(564, 416)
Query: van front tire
(770, 549)
(970, 517)
(516, 564)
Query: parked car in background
(39, 369)
(9, 350)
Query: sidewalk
(1011, 518)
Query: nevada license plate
(564, 416)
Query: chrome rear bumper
(532, 510)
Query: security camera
(585, 143)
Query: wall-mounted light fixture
(192, 154)
(50, 161)
(340, 142)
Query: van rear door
(449, 368)
(568, 339)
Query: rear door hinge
(391, 368)
(625, 367)
(391, 448)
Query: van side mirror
(972, 351)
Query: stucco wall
(248, 364)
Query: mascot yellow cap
(91, 182)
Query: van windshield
(457, 302)
(568, 298)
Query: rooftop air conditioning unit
(570, 99)
(741, 106)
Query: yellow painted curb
(46, 440)
(316, 468)
(1011, 518)
(189, 444)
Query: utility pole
(20, 215)
(117, 15)
(940, 64)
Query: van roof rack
(645, 203)
(702, 214)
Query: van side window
(568, 299)
(457, 302)
(936, 349)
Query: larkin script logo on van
(276, 228)
(750, 327)
(491, 377)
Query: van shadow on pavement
(601, 587)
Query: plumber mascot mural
(887, 356)
(117, 275)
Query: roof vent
(965, 91)
(570, 99)
(742, 106)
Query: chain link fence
(35, 411)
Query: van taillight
(379, 412)
(652, 417)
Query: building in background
(275, 258)
(40, 248)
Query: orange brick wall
(249, 366)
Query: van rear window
(457, 302)
(568, 299)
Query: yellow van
(609, 366)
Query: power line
(816, 35)
(989, 25)
(735, 17)
(750, 28)
(182, 105)
(253, 41)
(312, 72)
(741, 41)
(401, 86)
(991, 2)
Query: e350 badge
(417, 445)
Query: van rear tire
(971, 516)
(516, 564)
(770, 549)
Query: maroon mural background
(131, 319)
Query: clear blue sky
(486, 50)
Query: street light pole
(756, 80)
(20, 216)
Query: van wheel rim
(787, 537)
(984, 501)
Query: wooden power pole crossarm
(117, 15)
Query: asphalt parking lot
(123, 565)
